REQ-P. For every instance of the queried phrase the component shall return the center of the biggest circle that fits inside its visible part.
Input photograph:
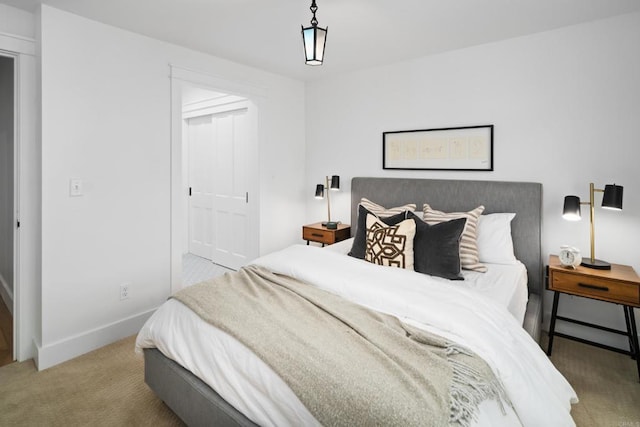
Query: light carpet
(606, 382)
(106, 388)
(102, 388)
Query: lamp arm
(592, 212)
(326, 189)
(591, 221)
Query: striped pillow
(469, 258)
(382, 212)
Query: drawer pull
(597, 288)
(317, 235)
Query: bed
(528, 375)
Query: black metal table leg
(632, 347)
(552, 326)
(634, 332)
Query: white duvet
(539, 393)
(505, 284)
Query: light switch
(75, 187)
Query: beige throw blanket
(347, 364)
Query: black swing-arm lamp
(612, 199)
(333, 185)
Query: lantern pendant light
(314, 39)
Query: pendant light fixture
(314, 39)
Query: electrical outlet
(124, 291)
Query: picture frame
(467, 148)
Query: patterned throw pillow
(390, 216)
(390, 245)
(382, 212)
(469, 258)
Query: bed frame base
(188, 396)
(533, 317)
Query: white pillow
(495, 244)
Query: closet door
(219, 174)
(230, 179)
(201, 155)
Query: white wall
(16, 22)
(565, 108)
(106, 120)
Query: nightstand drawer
(599, 288)
(317, 235)
(327, 236)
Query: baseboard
(6, 294)
(53, 354)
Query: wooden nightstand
(321, 234)
(620, 285)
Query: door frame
(180, 76)
(27, 196)
(11, 294)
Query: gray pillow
(437, 247)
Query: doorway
(215, 145)
(8, 197)
(214, 171)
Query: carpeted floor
(106, 388)
(607, 384)
(102, 388)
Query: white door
(201, 151)
(218, 177)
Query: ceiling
(361, 33)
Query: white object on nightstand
(569, 256)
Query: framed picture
(468, 148)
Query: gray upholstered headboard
(523, 198)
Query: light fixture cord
(313, 9)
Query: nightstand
(321, 234)
(620, 285)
